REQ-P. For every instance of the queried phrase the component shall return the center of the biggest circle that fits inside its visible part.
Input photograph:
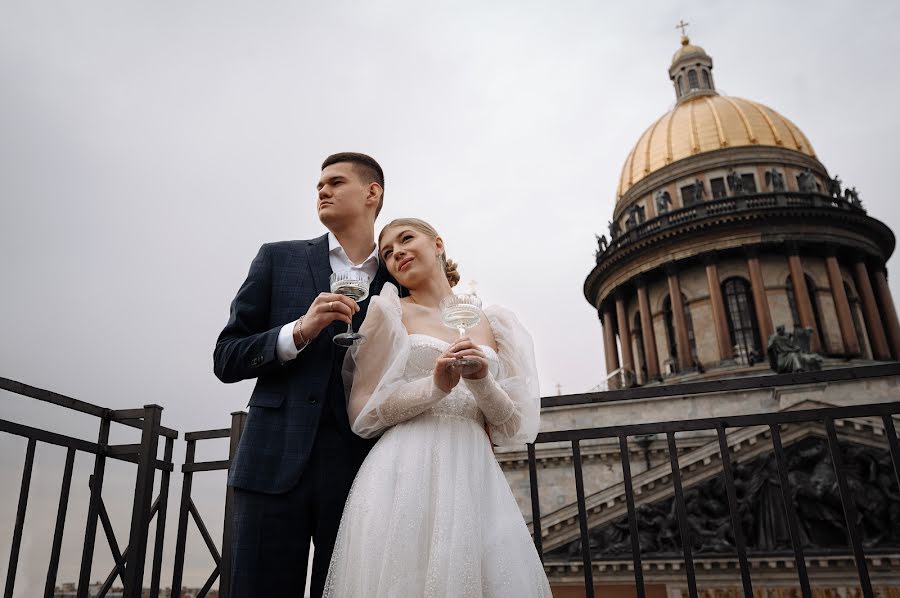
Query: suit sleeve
(246, 347)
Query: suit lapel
(319, 266)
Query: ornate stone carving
(834, 187)
(806, 181)
(790, 352)
(663, 201)
(774, 180)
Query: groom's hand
(327, 308)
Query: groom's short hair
(366, 168)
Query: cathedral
(728, 234)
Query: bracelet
(303, 339)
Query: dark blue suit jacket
(287, 403)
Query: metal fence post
(238, 418)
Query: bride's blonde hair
(451, 269)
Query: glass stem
(350, 327)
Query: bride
(430, 512)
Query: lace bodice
(423, 351)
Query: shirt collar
(334, 248)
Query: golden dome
(707, 123)
(686, 48)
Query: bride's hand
(446, 377)
(464, 347)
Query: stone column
(841, 304)
(720, 318)
(888, 312)
(685, 359)
(649, 337)
(609, 342)
(874, 325)
(625, 336)
(802, 300)
(760, 300)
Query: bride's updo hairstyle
(451, 270)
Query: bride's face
(411, 256)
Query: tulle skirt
(431, 515)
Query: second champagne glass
(354, 284)
(462, 312)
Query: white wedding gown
(430, 513)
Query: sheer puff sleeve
(511, 403)
(378, 394)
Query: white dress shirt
(285, 348)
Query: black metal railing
(723, 206)
(827, 417)
(128, 562)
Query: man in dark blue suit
(297, 457)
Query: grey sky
(148, 149)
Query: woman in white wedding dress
(430, 513)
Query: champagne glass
(353, 284)
(462, 312)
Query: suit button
(312, 400)
(256, 361)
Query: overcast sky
(148, 149)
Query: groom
(297, 457)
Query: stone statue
(735, 183)
(786, 352)
(663, 201)
(699, 190)
(635, 216)
(834, 187)
(807, 182)
(614, 230)
(601, 246)
(852, 196)
(774, 180)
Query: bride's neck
(431, 291)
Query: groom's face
(342, 195)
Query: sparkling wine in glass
(462, 312)
(353, 284)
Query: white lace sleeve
(512, 403)
(378, 395)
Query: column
(685, 359)
(874, 326)
(647, 330)
(625, 339)
(841, 304)
(888, 312)
(609, 343)
(802, 300)
(723, 339)
(760, 300)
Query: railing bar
(95, 483)
(118, 557)
(894, 446)
(201, 526)
(181, 537)
(20, 518)
(682, 517)
(737, 421)
(238, 418)
(849, 508)
(535, 502)
(209, 582)
(50, 586)
(632, 517)
(736, 527)
(204, 466)
(143, 493)
(52, 397)
(788, 499)
(114, 450)
(732, 384)
(117, 571)
(161, 507)
(582, 520)
(48, 437)
(208, 434)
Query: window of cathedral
(706, 82)
(639, 355)
(717, 185)
(680, 86)
(670, 326)
(749, 183)
(692, 80)
(857, 320)
(687, 196)
(742, 325)
(813, 299)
